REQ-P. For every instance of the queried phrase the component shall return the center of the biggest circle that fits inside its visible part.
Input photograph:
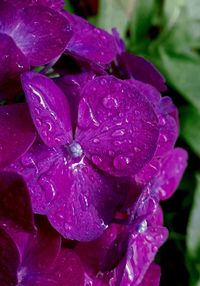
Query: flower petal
(117, 126)
(36, 167)
(173, 166)
(42, 249)
(71, 85)
(54, 4)
(135, 67)
(89, 202)
(68, 267)
(141, 251)
(17, 132)
(15, 211)
(32, 30)
(90, 43)
(152, 276)
(49, 109)
(9, 260)
(12, 64)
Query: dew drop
(111, 153)
(110, 102)
(142, 227)
(136, 149)
(96, 140)
(121, 162)
(96, 160)
(48, 187)
(119, 132)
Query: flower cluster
(86, 153)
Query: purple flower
(28, 38)
(65, 175)
(90, 43)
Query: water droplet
(48, 187)
(103, 81)
(162, 121)
(119, 132)
(38, 122)
(83, 202)
(96, 160)
(142, 226)
(111, 153)
(27, 160)
(137, 112)
(96, 140)
(121, 162)
(117, 143)
(164, 138)
(136, 149)
(110, 102)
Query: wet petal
(99, 258)
(36, 167)
(32, 30)
(15, 211)
(117, 126)
(138, 68)
(42, 249)
(9, 260)
(68, 267)
(89, 202)
(152, 276)
(71, 85)
(54, 4)
(79, 200)
(167, 115)
(49, 109)
(17, 132)
(173, 166)
(12, 64)
(141, 251)
(90, 43)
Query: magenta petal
(17, 132)
(90, 43)
(36, 167)
(117, 127)
(71, 85)
(98, 258)
(15, 211)
(12, 64)
(142, 249)
(54, 4)
(49, 109)
(42, 249)
(89, 201)
(9, 260)
(32, 30)
(167, 115)
(138, 68)
(173, 166)
(152, 276)
(67, 268)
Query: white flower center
(75, 150)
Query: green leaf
(183, 73)
(190, 127)
(115, 13)
(193, 230)
(141, 19)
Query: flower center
(75, 150)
